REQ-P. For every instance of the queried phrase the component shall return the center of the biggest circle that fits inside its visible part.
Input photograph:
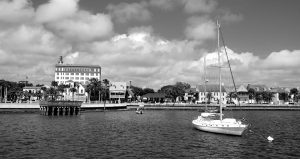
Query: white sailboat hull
(218, 126)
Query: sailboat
(214, 122)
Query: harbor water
(154, 134)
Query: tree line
(99, 91)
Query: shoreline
(34, 107)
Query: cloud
(200, 28)
(125, 12)
(199, 6)
(31, 50)
(163, 4)
(282, 60)
(15, 11)
(141, 57)
(279, 67)
(56, 10)
(83, 26)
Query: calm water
(155, 134)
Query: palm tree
(44, 89)
(6, 85)
(52, 92)
(54, 84)
(61, 88)
(251, 92)
(294, 92)
(94, 86)
(232, 95)
(73, 90)
(105, 89)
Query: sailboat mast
(205, 82)
(219, 63)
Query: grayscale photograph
(178, 79)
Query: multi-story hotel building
(65, 73)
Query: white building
(215, 93)
(77, 73)
(117, 91)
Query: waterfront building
(190, 95)
(117, 92)
(32, 89)
(79, 95)
(280, 95)
(75, 72)
(154, 97)
(214, 91)
(242, 93)
(76, 76)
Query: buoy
(270, 139)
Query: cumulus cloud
(284, 59)
(83, 26)
(199, 6)
(200, 28)
(66, 20)
(140, 56)
(125, 12)
(29, 49)
(15, 11)
(56, 10)
(249, 68)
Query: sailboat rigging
(207, 121)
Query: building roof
(118, 86)
(280, 90)
(155, 95)
(258, 87)
(210, 88)
(76, 65)
(242, 88)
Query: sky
(152, 43)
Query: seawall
(202, 107)
(36, 107)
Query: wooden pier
(60, 108)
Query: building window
(82, 78)
(72, 77)
(81, 74)
(77, 78)
(72, 73)
(77, 73)
(67, 77)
